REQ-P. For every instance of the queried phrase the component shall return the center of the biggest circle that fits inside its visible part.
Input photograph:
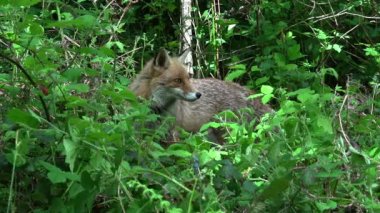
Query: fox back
(193, 102)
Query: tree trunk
(187, 34)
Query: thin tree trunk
(187, 34)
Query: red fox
(193, 102)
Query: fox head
(168, 80)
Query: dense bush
(73, 138)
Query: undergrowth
(73, 138)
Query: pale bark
(187, 34)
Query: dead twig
(341, 13)
(346, 138)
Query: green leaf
(266, 98)
(18, 161)
(255, 69)
(262, 80)
(238, 70)
(30, 62)
(303, 95)
(85, 21)
(75, 189)
(309, 176)
(337, 47)
(71, 152)
(56, 175)
(265, 89)
(330, 174)
(21, 117)
(81, 88)
(370, 51)
(206, 156)
(5, 77)
(118, 44)
(330, 71)
(276, 187)
(289, 107)
(106, 52)
(321, 35)
(36, 29)
(324, 123)
(291, 67)
(329, 205)
(74, 101)
(82, 22)
(274, 153)
(210, 124)
(280, 59)
(20, 3)
(177, 153)
(115, 96)
(73, 74)
(255, 96)
(294, 52)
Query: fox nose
(198, 95)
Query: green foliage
(73, 138)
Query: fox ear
(184, 55)
(162, 59)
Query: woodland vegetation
(73, 138)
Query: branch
(346, 139)
(25, 72)
(341, 13)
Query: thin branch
(363, 16)
(25, 72)
(332, 11)
(341, 13)
(346, 138)
(342, 36)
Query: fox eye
(178, 80)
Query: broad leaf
(71, 152)
(265, 89)
(21, 117)
(276, 187)
(56, 175)
(329, 205)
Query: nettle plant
(73, 138)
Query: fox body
(193, 102)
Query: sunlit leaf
(325, 124)
(337, 47)
(82, 22)
(236, 73)
(265, 89)
(328, 205)
(71, 152)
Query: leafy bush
(73, 138)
